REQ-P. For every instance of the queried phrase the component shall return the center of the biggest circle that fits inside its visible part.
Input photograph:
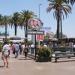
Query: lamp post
(39, 19)
(39, 10)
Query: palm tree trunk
(26, 32)
(61, 28)
(60, 32)
(15, 29)
(25, 29)
(5, 32)
(58, 20)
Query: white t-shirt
(23, 47)
(32, 46)
(6, 49)
(45, 45)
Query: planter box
(43, 59)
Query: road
(22, 66)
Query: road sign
(39, 37)
(35, 32)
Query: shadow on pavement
(1, 66)
(24, 59)
(61, 61)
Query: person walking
(32, 48)
(20, 48)
(5, 54)
(26, 51)
(16, 47)
(23, 47)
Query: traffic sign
(35, 32)
(39, 37)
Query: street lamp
(39, 19)
(39, 10)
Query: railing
(62, 52)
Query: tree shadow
(61, 61)
(23, 58)
(1, 66)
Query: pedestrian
(5, 54)
(23, 47)
(26, 51)
(32, 48)
(16, 48)
(20, 48)
(13, 49)
(74, 48)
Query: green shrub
(43, 54)
(0, 46)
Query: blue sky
(7, 7)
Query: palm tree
(26, 15)
(15, 21)
(69, 1)
(66, 1)
(5, 23)
(60, 9)
(1, 18)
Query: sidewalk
(22, 66)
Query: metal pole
(26, 35)
(39, 10)
(35, 47)
(39, 18)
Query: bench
(62, 53)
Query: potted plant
(43, 54)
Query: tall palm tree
(5, 23)
(69, 1)
(1, 18)
(26, 15)
(15, 21)
(66, 1)
(60, 9)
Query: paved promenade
(28, 66)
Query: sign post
(35, 25)
(35, 33)
(35, 47)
